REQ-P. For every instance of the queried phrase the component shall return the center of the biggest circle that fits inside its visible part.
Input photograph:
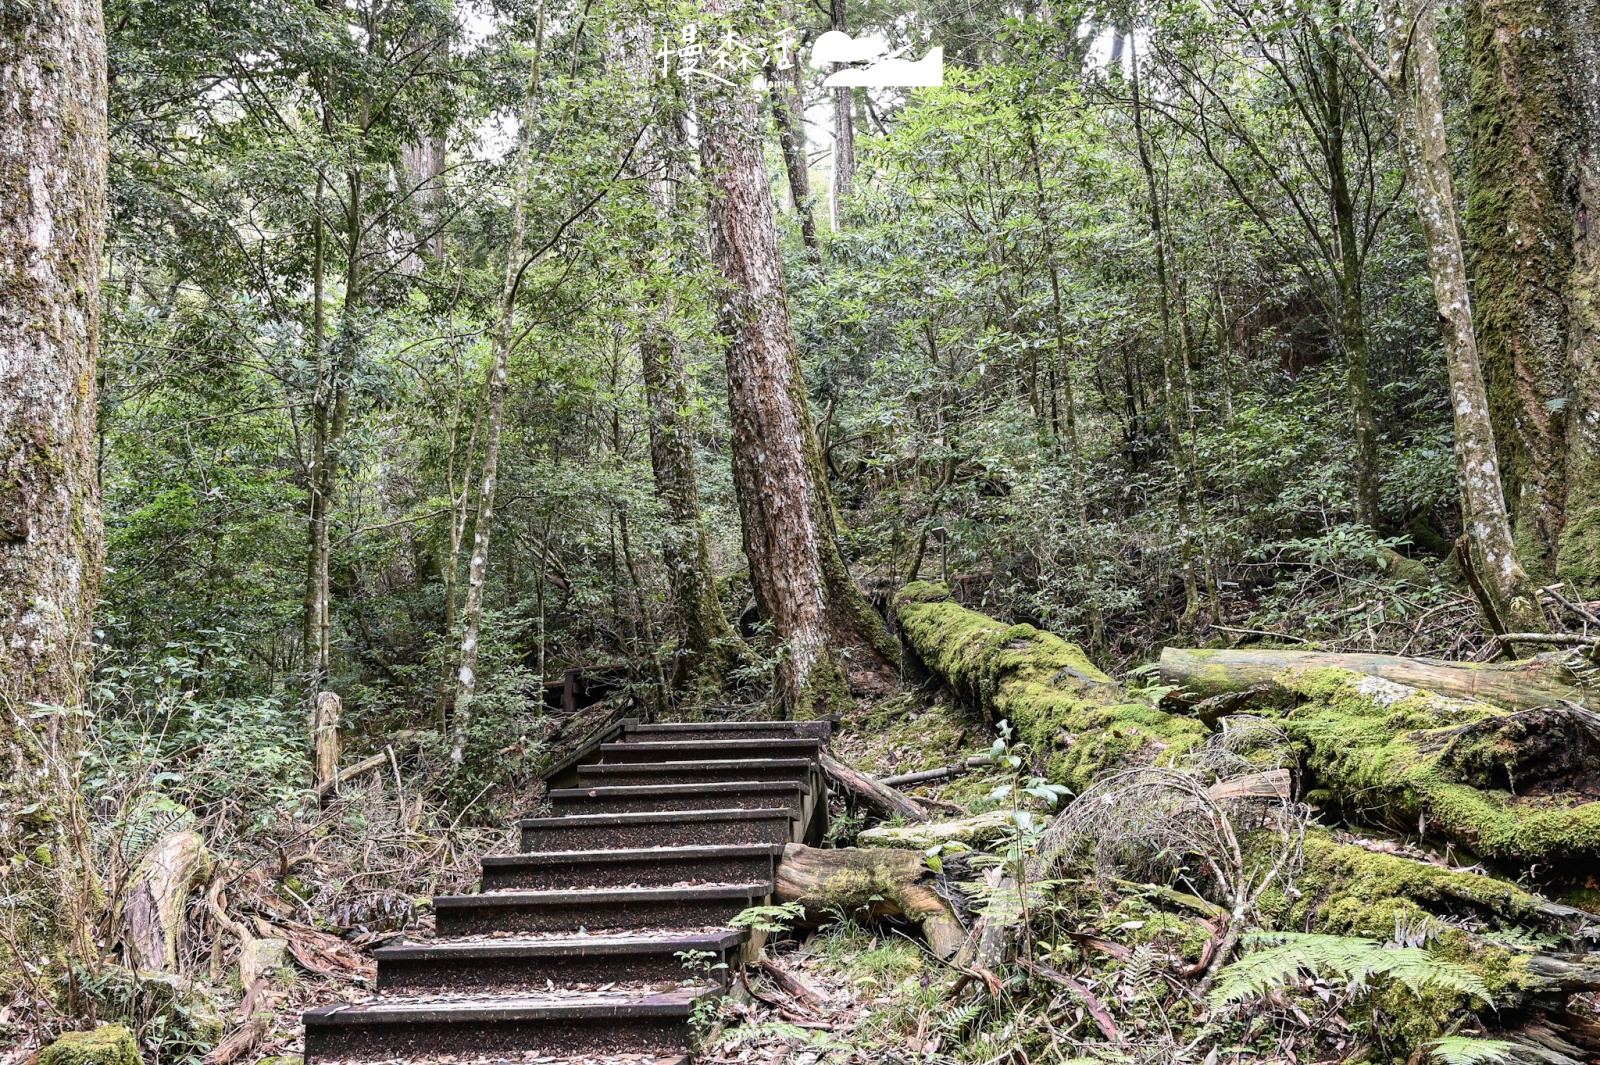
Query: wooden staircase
(659, 835)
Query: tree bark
(1511, 603)
(1578, 550)
(826, 630)
(325, 741)
(1542, 681)
(151, 910)
(52, 219)
(1519, 227)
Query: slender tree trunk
(1352, 308)
(1519, 226)
(1510, 603)
(788, 107)
(827, 631)
(844, 136)
(460, 500)
(494, 420)
(52, 225)
(1191, 589)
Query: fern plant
(1471, 1050)
(1356, 961)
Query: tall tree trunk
(1519, 227)
(1348, 271)
(1509, 601)
(460, 500)
(1191, 588)
(494, 418)
(844, 136)
(52, 226)
(788, 108)
(1578, 553)
(828, 632)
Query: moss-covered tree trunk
(1519, 227)
(52, 226)
(826, 630)
(1578, 550)
(1507, 596)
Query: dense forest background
(1238, 423)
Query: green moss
(1578, 562)
(110, 1044)
(1388, 750)
(1077, 720)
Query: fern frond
(1352, 959)
(1468, 1050)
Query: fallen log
(1080, 720)
(868, 883)
(1542, 681)
(1515, 787)
(873, 794)
(973, 831)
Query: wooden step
(529, 963)
(595, 909)
(728, 730)
(696, 771)
(722, 795)
(684, 750)
(672, 828)
(641, 866)
(425, 1028)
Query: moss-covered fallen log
(1512, 786)
(1542, 681)
(872, 883)
(1082, 721)
(1515, 787)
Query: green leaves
(1356, 961)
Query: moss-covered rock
(109, 1044)
(1076, 719)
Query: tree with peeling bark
(1506, 594)
(52, 226)
(829, 638)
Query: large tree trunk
(1578, 551)
(1542, 681)
(1509, 600)
(1520, 229)
(826, 629)
(52, 226)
